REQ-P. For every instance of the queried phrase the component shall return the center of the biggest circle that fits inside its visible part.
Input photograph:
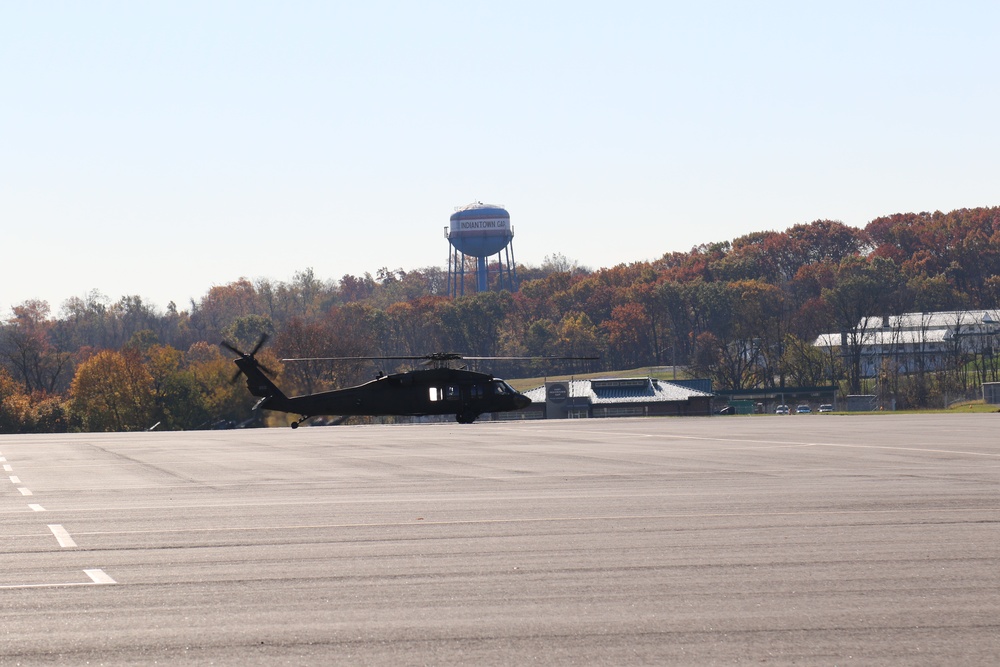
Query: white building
(619, 397)
(917, 341)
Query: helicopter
(439, 390)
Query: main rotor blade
(406, 358)
(231, 348)
(260, 343)
(443, 356)
(532, 358)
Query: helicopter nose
(521, 401)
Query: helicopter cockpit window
(500, 388)
(451, 392)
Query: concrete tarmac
(779, 540)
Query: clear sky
(158, 148)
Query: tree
(247, 330)
(180, 400)
(759, 327)
(804, 363)
(541, 338)
(86, 323)
(628, 335)
(578, 337)
(828, 241)
(217, 397)
(113, 391)
(673, 308)
(934, 293)
(473, 323)
(417, 327)
(356, 289)
(15, 407)
(128, 316)
(963, 245)
(559, 263)
(311, 341)
(739, 328)
(27, 348)
(222, 305)
(864, 291)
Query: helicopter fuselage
(437, 391)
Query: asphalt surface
(798, 540)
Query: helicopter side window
(435, 393)
(451, 392)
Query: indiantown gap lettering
(496, 223)
(484, 224)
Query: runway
(779, 540)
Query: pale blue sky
(160, 148)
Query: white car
(826, 407)
(781, 410)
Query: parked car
(826, 407)
(781, 410)
(803, 410)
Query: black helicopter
(439, 390)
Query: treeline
(743, 312)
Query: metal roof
(936, 320)
(886, 337)
(607, 391)
(919, 328)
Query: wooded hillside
(742, 312)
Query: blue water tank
(480, 230)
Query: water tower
(480, 230)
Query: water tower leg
(512, 266)
(481, 275)
(450, 275)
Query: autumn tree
(193, 391)
(207, 375)
(27, 348)
(745, 325)
(352, 330)
(223, 304)
(826, 241)
(627, 333)
(86, 322)
(246, 331)
(313, 343)
(353, 288)
(473, 323)
(417, 327)
(113, 391)
(578, 336)
(863, 293)
(541, 338)
(15, 406)
(673, 308)
(962, 245)
(804, 364)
